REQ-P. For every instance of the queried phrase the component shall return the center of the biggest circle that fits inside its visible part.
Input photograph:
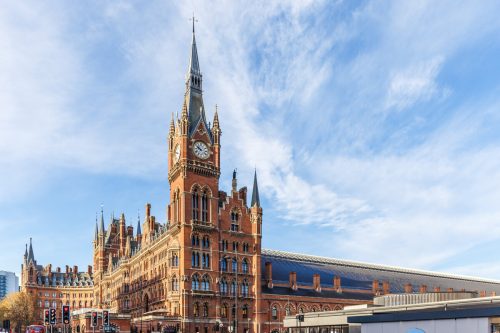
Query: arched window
(244, 266)
(196, 310)
(288, 311)
(233, 287)
(223, 311)
(206, 260)
(195, 283)
(195, 259)
(234, 265)
(245, 311)
(205, 283)
(223, 287)
(244, 288)
(204, 207)
(223, 265)
(234, 221)
(175, 284)
(194, 204)
(175, 260)
(274, 312)
(206, 242)
(205, 310)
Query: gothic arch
(194, 187)
(337, 307)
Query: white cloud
(416, 83)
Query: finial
(194, 20)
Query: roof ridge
(361, 264)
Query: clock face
(177, 153)
(200, 150)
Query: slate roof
(359, 276)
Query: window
(244, 266)
(236, 246)
(223, 265)
(245, 311)
(234, 221)
(175, 260)
(194, 204)
(206, 242)
(233, 288)
(204, 207)
(223, 311)
(195, 240)
(274, 312)
(47, 304)
(175, 284)
(233, 311)
(224, 245)
(223, 287)
(234, 265)
(205, 310)
(205, 283)
(195, 283)
(288, 312)
(196, 310)
(195, 259)
(206, 260)
(244, 288)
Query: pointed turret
(102, 230)
(255, 192)
(96, 236)
(193, 102)
(31, 256)
(26, 252)
(139, 233)
(171, 131)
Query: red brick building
(204, 269)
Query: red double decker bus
(35, 329)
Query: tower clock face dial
(201, 150)
(177, 153)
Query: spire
(194, 65)
(138, 224)
(31, 256)
(172, 126)
(216, 117)
(102, 222)
(26, 252)
(96, 229)
(193, 106)
(255, 192)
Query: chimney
(336, 284)
(493, 293)
(450, 290)
(375, 287)
(89, 269)
(269, 274)
(317, 282)
(67, 269)
(58, 269)
(408, 288)
(148, 209)
(482, 293)
(130, 231)
(243, 194)
(293, 281)
(386, 288)
(423, 288)
(437, 289)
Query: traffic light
(65, 314)
(93, 319)
(52, 316)
(105, 318)
(46, 317)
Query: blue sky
(374, 127)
